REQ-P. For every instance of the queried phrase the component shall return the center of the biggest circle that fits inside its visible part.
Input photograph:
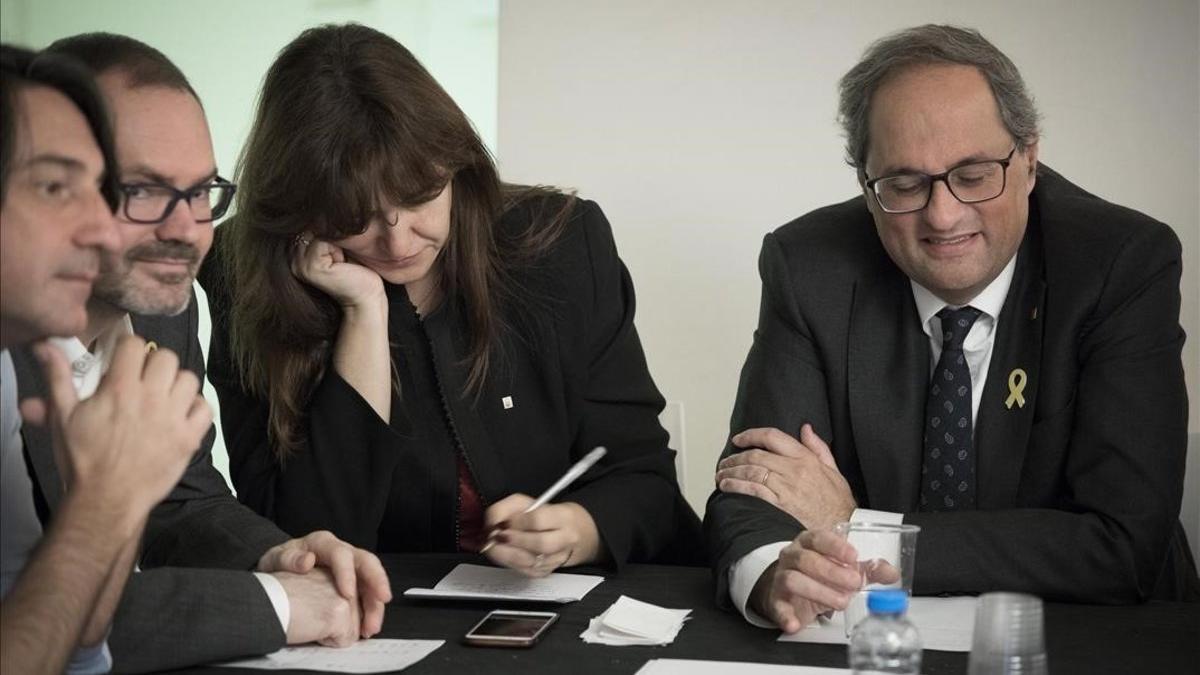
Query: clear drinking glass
(1009, 637)
(886, 557)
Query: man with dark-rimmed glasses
(217, 580)
(975, 346)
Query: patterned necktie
(948, 472)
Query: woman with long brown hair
(406, 349)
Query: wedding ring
(537, 562)
(301, 240)
(766, 476)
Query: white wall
(700, 126)
(225, 47)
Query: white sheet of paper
(697, 667)
(365, 656)
(945, 624)
(480, 582)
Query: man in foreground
(59, 586)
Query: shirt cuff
(94, 660)
(743, 576)
(278, 598)
(872, 516)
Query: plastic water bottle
(885, 641)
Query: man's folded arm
(175, 617)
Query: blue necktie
(948, 470)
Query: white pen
(561, 484)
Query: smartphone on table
(505, 628)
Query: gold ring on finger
(766, 476)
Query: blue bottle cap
(887, 602)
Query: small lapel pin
(151, 346)
(1016, 388)
(507, 401)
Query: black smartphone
(503, 628)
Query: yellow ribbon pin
(1016, 388)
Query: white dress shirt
(87, 367)
(977, 348)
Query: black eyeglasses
(152, 203)
(969, 183)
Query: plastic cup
(886, 557)
(1009, 637)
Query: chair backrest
(1189, 514)
(672, 420)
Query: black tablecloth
(1155, 638)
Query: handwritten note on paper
(479, 582)
(366, 656)
(945, 624)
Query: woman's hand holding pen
(537, 542)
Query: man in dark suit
(974, 346)
(196, 598)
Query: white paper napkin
(633, 622)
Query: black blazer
(172, 613)
(1079, 490)
(575, 368)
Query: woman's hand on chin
(324, 265)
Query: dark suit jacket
(173, 614)
(574, 367)
(1078, 491)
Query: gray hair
(932, 44)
